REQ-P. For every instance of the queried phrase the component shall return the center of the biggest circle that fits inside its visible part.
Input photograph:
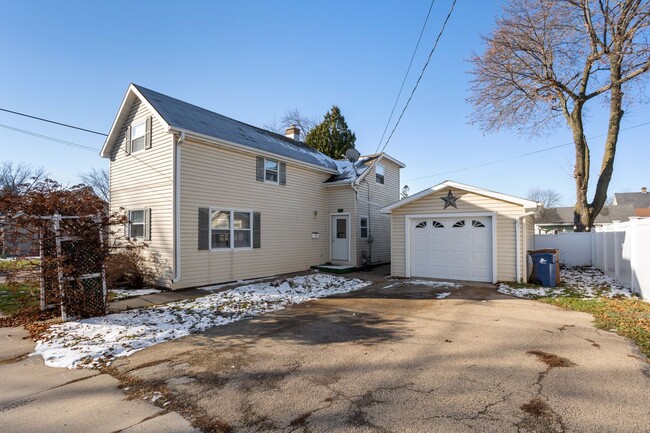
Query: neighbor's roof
(564, 215)
(527, 204)
(636, 199)
(180, 116)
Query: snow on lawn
(91, 342)
(580, 282)
(433, 284)
(123, 294)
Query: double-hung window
(271, 170)
(230, 229)
(139, 224)
(379, 173)
(138, 132)
(363, 227)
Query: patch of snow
(442, 295)
(123, 294)
(581, 282)
(91, 342)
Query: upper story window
(138, 132)
(271, 170)
(379, 173)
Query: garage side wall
(506, 216)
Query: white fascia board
(527, 204)
(121, 115)
(245, 149)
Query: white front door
(340, 233)
(458, 248)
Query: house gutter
(518, 247)
(176, 192)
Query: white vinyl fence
(621, 250)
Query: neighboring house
(640, 201)
(461, 232)
(561, 219)
(218, 200)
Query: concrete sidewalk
(36, 398)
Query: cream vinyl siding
(215, 177)
(144, 179)
(507, 213)
(379, 224)
(343, 197)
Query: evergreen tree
(332, 136)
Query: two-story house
(219, 200)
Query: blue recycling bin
(544, 268)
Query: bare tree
(19, 178)
(547, 59)
(292, 117)
(548, 197)
(99, 181)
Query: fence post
(57, 236)
(632, 233)
(617, 257)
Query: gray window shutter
(147, 224)
(147, 134)
(260, 169)
(257, 230)
(127, 214)
(283, 173)
(127, 135)
(204, 228)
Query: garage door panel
(463, 252)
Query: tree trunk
(581, 220)
(613, 129)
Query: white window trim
(143, 224)
(361, 217)
(383, 167)
(277, 181)
(232, 229)
(144, 136)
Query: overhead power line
(424, 68)
(417, 45)
(47, 137)
(546, 149)
(54, 122)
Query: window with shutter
(231, 229)
(139, 224)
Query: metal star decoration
(450, 200)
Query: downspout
(518, 247)
(176, 191)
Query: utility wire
(52, 121)
(435, 45)
(546, 149)
(47, 137)
(417, 45)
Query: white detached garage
(461, 232)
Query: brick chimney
(644, 190)
(293, 132)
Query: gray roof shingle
(636, 199)
(189, 117)
(564, 215)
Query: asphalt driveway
(396, 360)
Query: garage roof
(527, 204)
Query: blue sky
(72, 61)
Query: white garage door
(458, 248)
